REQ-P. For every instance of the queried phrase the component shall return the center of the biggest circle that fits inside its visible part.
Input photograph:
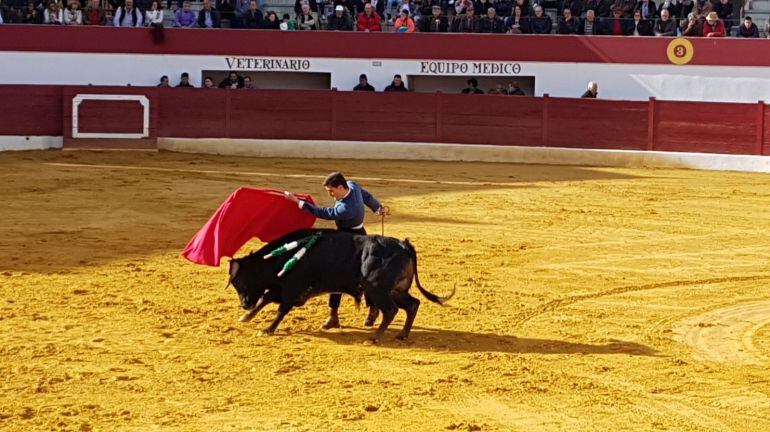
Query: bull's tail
(428, 295)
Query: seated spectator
(574, 6)
(491, 23)
(481, 6)
(73, 15)
(154, 15)
(378, 6)
(540, 23)
(435, 22)
(368, 20)
(408, 5)
(665, 25)
(363, 84)
(601, 8)
(499, 89)
(208, 17)
(184, 80)
(208, 82)
(647, 8)
(397, 85)
(526, 8)
(94, 14)
(461, 5)
(724, 10)
(674, 8)
(31, 15)
(592, 92)
(225, 9)
(313, 4)
(473, 87)
(626, 7)
(128, 16)
(252, 18)
(748, 29)
(52, 14)
(163, 81)
(589, 26)
(692, 27)
(339, 20)
(272, 22)
(617, 26)
(404, 23)
(306, 19)
(426, 6)
(713, 27)
(185, 17)
(568, 24)
(247, 84)
(242, 8)
(641, 27)
(465, 23)
(515, 90)
(233, 81)
(517, 23)
(504, 8)
(4, 15)
(287, 24)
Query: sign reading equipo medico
(469, 68)
(268, 64)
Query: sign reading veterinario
(270, 64)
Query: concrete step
(759, 6)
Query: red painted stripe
(259, 43)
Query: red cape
(247, 213)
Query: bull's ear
(234, 267)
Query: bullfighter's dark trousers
(335, 299)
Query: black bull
(379, 267)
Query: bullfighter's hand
(383, 211)
(291, 197)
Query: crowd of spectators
(693, 18)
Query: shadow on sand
(461, 341)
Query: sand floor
(588, 299)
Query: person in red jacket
(713, 27)
(368, 20)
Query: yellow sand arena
(588, 299)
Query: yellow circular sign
(680, 51)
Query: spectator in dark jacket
(540, 23)
(339, 20)
(517, 23)
(233, 80)
(590, 25)
(641, 26)
(692, 26)
(724, 10)
(748, 29)
(363, 84)
(665, 26)
(208, 17)
(617, 26)
(480, 7)
(526, 8)
(601, 8)
(466, 23)
(473, 87)
(32, 16)
(647, 8)
(503, 8)
(568, 24)
(271, 22)
(575, 6)
(397, 85)
(426, 7)
(435, 22)
(252, 19)
(491, 23)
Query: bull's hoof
(247, 316)
(266, 332)
(372, 341)
(331, 323)
(402, 336)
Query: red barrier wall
(407, 117)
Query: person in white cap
(339, 20)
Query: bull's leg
(374, 312)
(250, 314)
(381, 300)
(283, 309)
(334, 320)
(410, 305)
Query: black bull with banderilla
(381, 268)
